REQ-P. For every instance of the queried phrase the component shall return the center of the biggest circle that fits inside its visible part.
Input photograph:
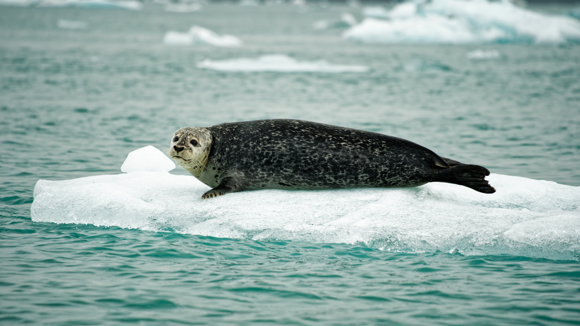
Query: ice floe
(201, 36)
(346, 20)
(277, 63)
(483, 54)
(93, 4)
(524, 217)
(18, 3)
(182, 7)
(464, 21)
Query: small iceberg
(182, 7)
(483, 55)
(460, 21)
(93, 4)
(277, 63)
(18, 3)
(201, 36)
(249, 3)
(525, 217)
(71, 24)
(346, 20)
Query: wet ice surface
(524, 217)
(278, 63)
(455, 21)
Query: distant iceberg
(93, 4)
(18, 3)
(525, 217)
(277, 63)
(460, 21)
(346, 20)
(182, 7)
(201, 36)
(483, 55)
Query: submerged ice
(524, 217)
(464, 21)
(277, 63)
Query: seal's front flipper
(227, 185)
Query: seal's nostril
(177, 149)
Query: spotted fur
(295, 154)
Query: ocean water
(75, 102)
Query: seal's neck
(198, 164)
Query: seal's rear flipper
(471, 176)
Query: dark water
(73, 103)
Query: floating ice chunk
(250, 3)
(182, 7)
(177, 38)
(93, 4)
(403, 10)
(18, 3)
(483, 54)
(71, 24)
(456, 21)
(201, 36)
(431, 29)
(277, 63)
(147, 158)
(524, 217)
(346, 20)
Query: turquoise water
(75, 102)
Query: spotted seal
(295, 154)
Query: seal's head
(190, 148)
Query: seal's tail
(471, 176)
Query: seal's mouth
(181, 158)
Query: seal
(303, 155)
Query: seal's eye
(193, 142)
(175, 138)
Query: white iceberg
(483, 54)
(277, 63)
(464, 21)
(182, 7)
(201, 36)
(524, 217)
(346, 20)
(18, 3)
(93, 4)
(71, 24)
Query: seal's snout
(178, 149)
